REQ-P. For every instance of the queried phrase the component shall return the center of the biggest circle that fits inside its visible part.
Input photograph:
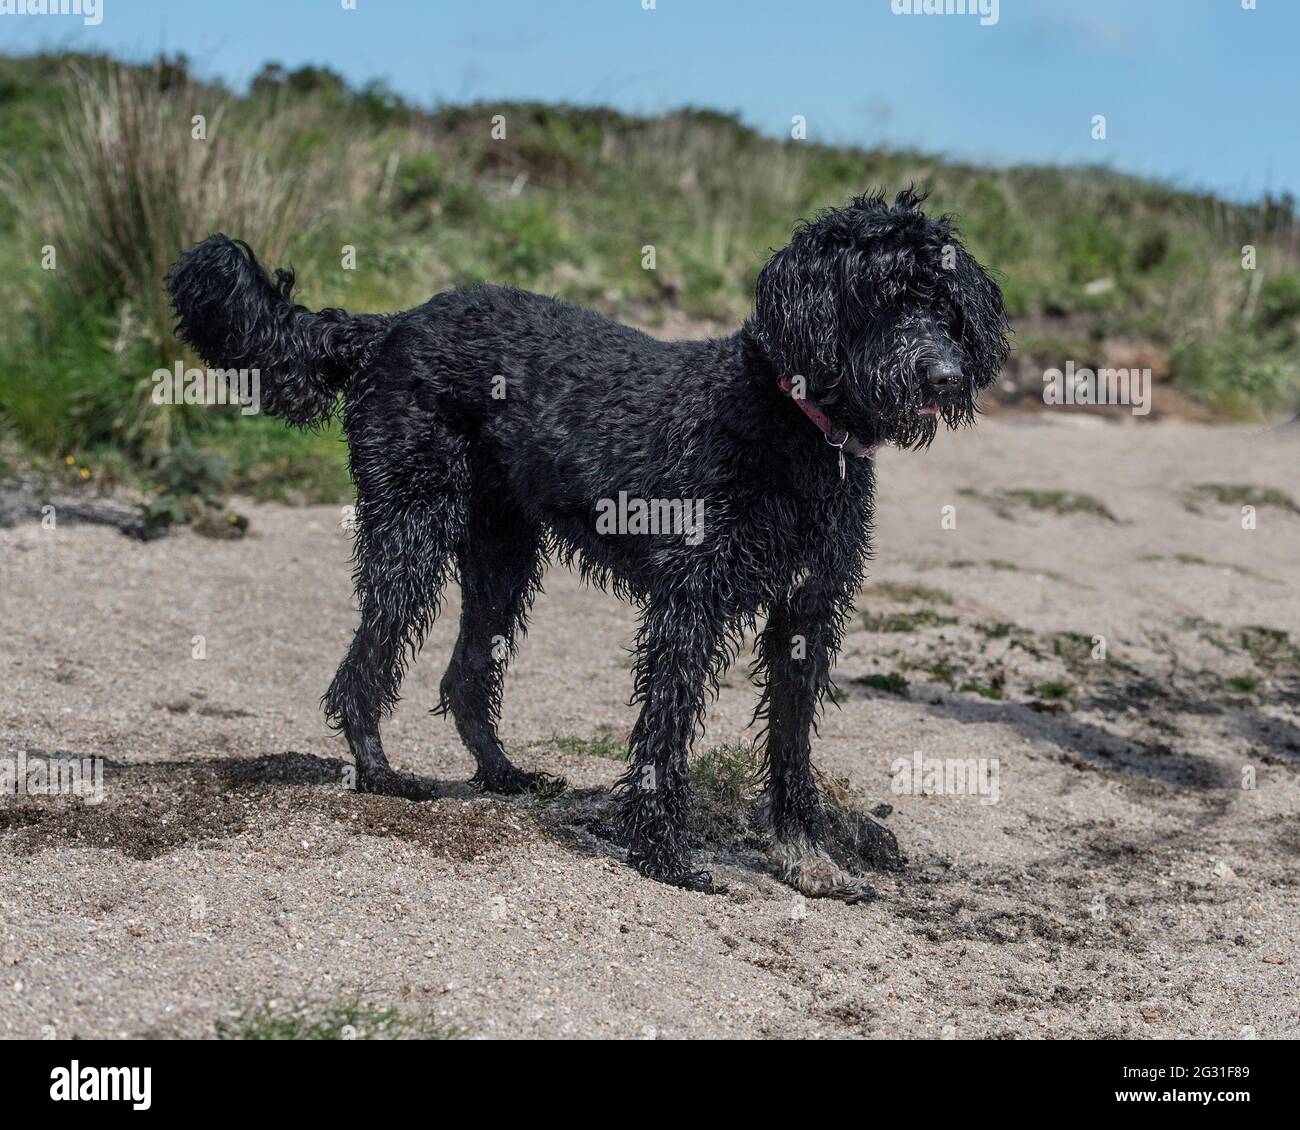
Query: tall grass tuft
(135, 185)
(144, 168)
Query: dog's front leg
(796, 650)
(678, 652)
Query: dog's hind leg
(410, 513)
(680, 648)
(500, 562)
(795, 651)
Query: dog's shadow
(584, 819)
(1092, 745)
(291, 768)
(151, 808)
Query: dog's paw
(511, 781)
(699, 881)
(689, 879)
(398, 783)
(811, 872)
(851, 893)
(678, 874)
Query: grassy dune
(100, 163)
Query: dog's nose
(944, 376)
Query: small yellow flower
(69, 459)
(85, 472)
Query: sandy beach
(1092, 621)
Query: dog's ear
(983, 328)
(797, 315)
(814, 297)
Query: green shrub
(98, 160)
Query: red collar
(836, 436)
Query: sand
(1136, 877)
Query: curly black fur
(877, 306)
(235, 317)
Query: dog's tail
(235, 317)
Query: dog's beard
(904, 429)
(885, 408)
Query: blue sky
(1198, 92)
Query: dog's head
(889, 320)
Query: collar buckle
(839, 438)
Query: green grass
(727, 772)
(1238, 373)
(1242, 494)
(271, 462)
(905, 621)
(305, 163)
(346, 1020)
(1062, 502)
(891, 683)
(1052, 691)
(723, 782)
(940, 670)
(1197, 560)
(606, 746)
(909, 593)
(1269, 648)
(1001, 630)
(1059, 502)
(1073, 649)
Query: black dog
(490, 429)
